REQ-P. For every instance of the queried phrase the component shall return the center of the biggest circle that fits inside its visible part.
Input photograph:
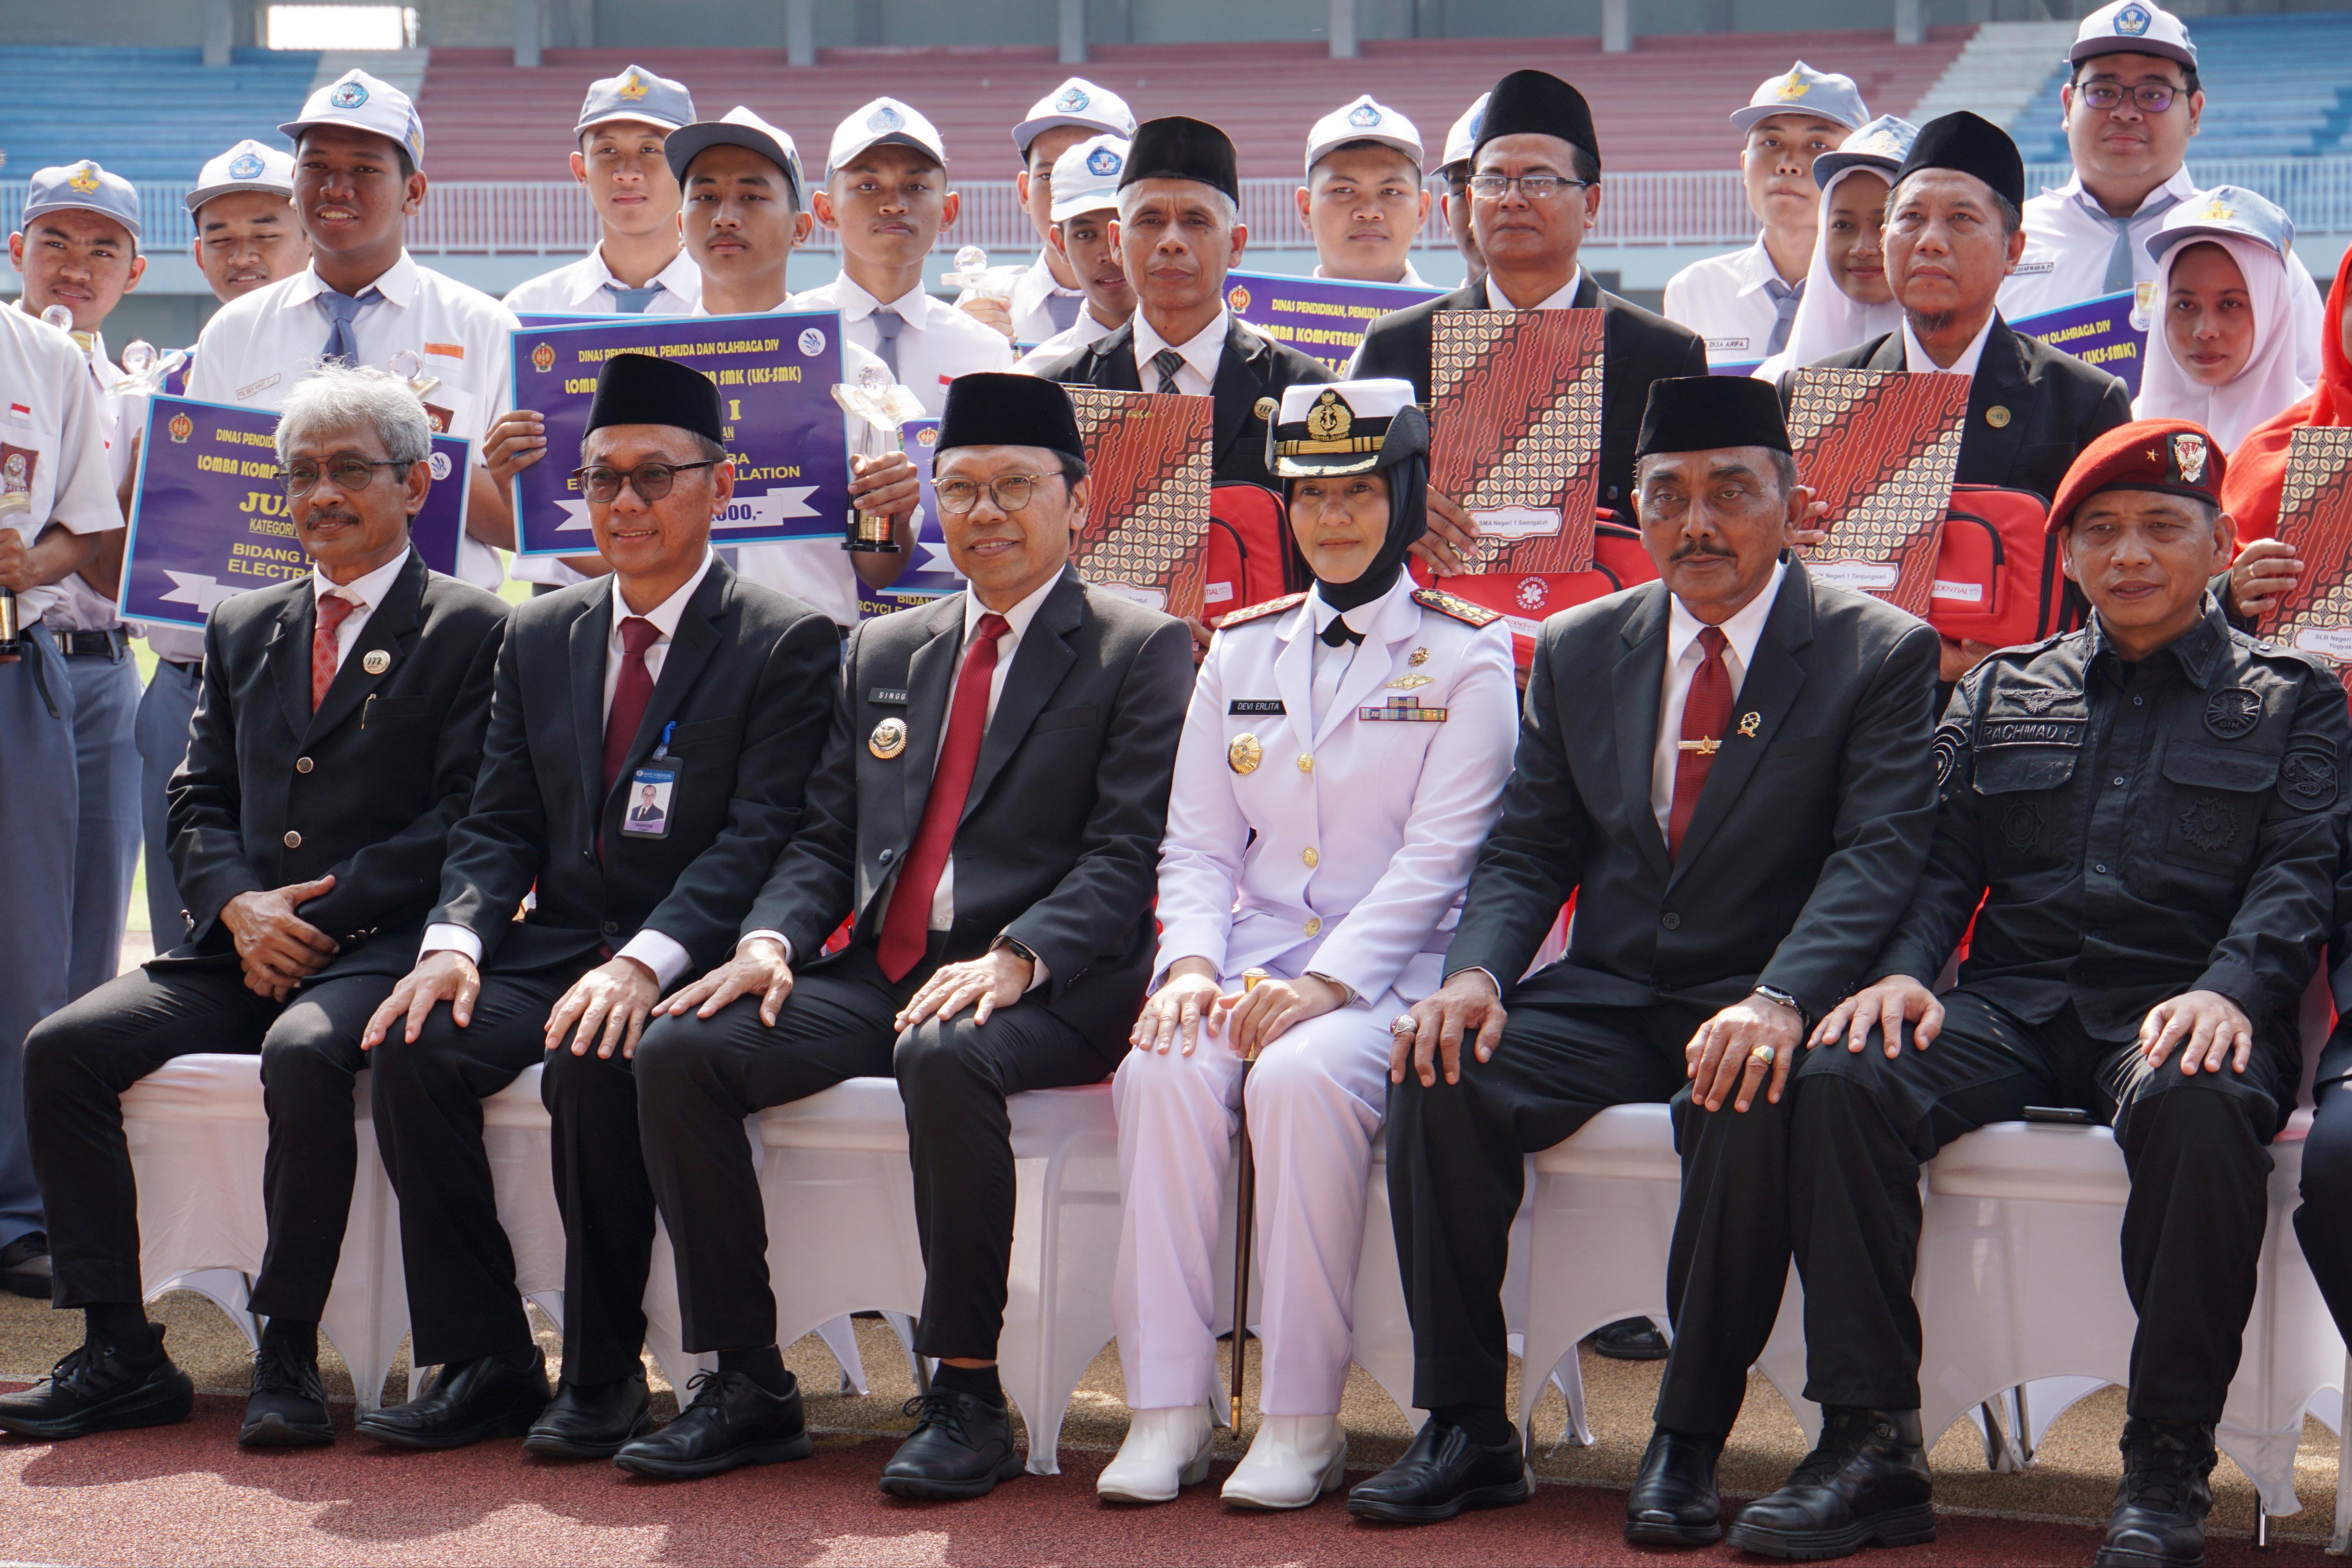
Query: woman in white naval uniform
(1341, 763)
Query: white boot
(1165, 1450)
(1293, 1460)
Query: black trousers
(608, 1212)
(698, 1080)
(2196, 1147)
(2323, 1222)
(81, 1059)
(427, 1102)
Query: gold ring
(1761, 1056)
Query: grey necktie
(1166, 362)
(2119, 256)
(1064, 310)
(1785, 299)
(886, 322)
(630, 302)
(342, 343)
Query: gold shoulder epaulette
(1460, 609)
(1251, 612)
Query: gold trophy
(883, 406)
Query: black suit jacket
(1808, 838)
(366, 788)
(1637, 347)
(1058, 848)
(1252, 369)
(748, 680)
(2056, 405)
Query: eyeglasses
(2151, 96)
(650, 480)
(1010, 492)
(349, 474)
(1534, 187)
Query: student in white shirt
(1085, 238)
(358, 179)
(1848, 299)
(1363, 203)
(1031, 301)
(886, 194)
(1454, 175)
(1744, 303)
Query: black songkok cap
(1537, 103)
(1705, 413)
(1973, 146)
(997, 409)
(1176, 148)
(638, 389)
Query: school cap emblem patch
(246, 166)
(1363, 116)
(2133, 20)
(348, 95)
(886, 119)
(1073, 101)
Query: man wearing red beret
(2147, 809)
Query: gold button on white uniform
(1313, 926)
(293, 839)
(303, 765)
(1310, 855)
(1306, 762)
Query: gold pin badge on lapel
(377, 662)
(1410, 682)
(1244, 754)
(1420, 657)
(889, 738)
(1997, 416)
(1748, 724)
(1265, 408)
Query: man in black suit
(989, 807)
(1178, 232)
(334, 744)
(1535, 193)
(1728, 768)
(671, 673)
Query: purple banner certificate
(775, 375)
(1322, 317)
(2097, 331)
(209, 518)
(930, 574)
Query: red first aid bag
(1250, 556)
(1997, 576)
(1618, 561)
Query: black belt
(108, 644)
(195, 666)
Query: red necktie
(630, 695)
(1706, 713)
(333, 609)
(906, 927)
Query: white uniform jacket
(1366, 828)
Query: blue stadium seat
(143, 113)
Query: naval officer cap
(1345, 427)
(358, 102)
(1078, 102)
(83, 187)
(886, 121)
(1882, 145)
(636, 94)
(1462, 139)
(2173, 456)
(1085, 178)
(247, 166)
(2225, 212)
(1537, 103)
(1708, 413)
(998, 408)
(2132, 28)
(1969, 144)
(641, 389)
(1805, 91)
(738, 127)
(1176, 148)
(1366, 119)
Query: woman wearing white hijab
(2222, 350)
(1847, 299)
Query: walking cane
(1244, 1223)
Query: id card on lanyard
(651, 787)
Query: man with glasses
(335, 744)
(988, 811)
(2131, 102)
(1362, 203)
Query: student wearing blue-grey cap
(1085, 240)
(2223, 352)
(1454, 178)
(1847, 298)
(1031, 301)
(1363, 203)
(1744, 303)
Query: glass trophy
(406, 365)
(971, 273)
(148, 370)
(883, 406)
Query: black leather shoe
(591, 1422)
(1442, 1473)
(731, 1422)
(2160, 1506)
(465, 1404)
(960, 1448)
(1630, 1339)
(1864, 1484)
(1673, 1502)
(96, 1389)
(288, 1406)
(24, 1266)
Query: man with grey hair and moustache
(334, 745)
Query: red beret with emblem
(2175, 456)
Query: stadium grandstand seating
(145, 113)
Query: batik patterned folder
(1881, 447)
(1147, 531)
(2315, 516)
(1515, 433)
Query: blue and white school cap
(361, 102)
(1078, 102)
(1085, 178)
(1366, 119)
(247, 166)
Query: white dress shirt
(1198, 374)
(257, 349)
(1917, 361)
(1412, 280)
(1331, 664)
(1723, 299)
(51, 413)
(1564, 299)
(363, 593)
(660, 954)
(78, 608)
(1684, 655)
(1084, 333)
(579, 289)
(1034, 288)
(937, 344)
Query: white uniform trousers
(1316, 1098)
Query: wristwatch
(1020, 950)
(1774, 994)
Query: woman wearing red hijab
(2266, 567)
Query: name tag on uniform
(1255, 705)
(646, 814)
(1404, 710)
(887, 694)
